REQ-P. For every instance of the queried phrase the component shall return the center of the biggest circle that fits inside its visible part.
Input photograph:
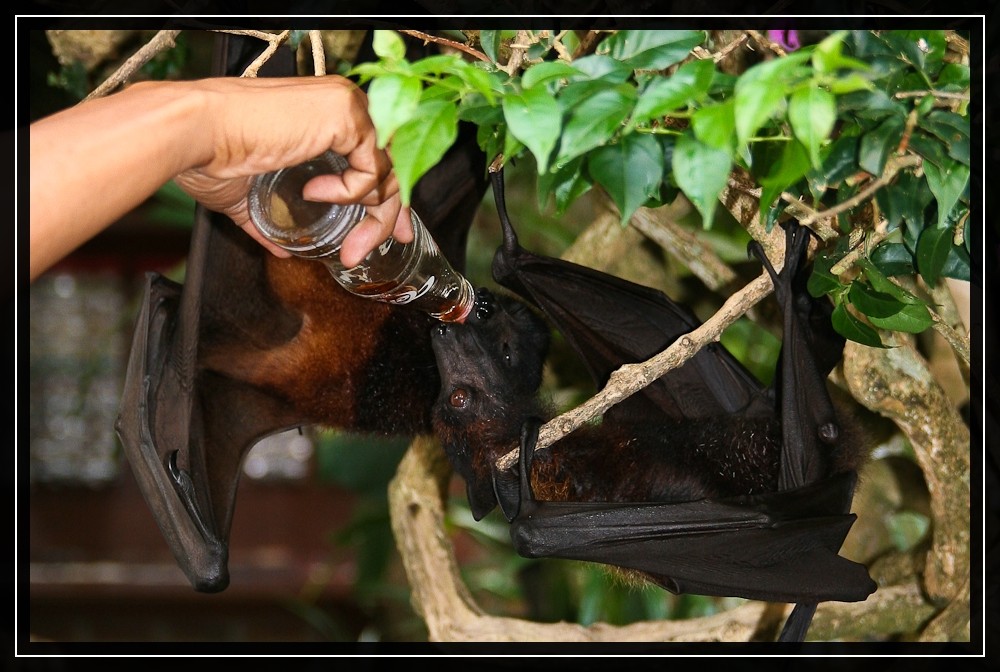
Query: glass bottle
(416, 274)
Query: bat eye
(459, 398)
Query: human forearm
(92, 163)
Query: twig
(518, 48)
(318, 53)
(880, 233)
(892, 167)
(765, 43)
(729, 48)
(631, 378)
(951, 95)
(449, 43)
(274, 40)
(684, 245)
(162, 41)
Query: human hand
(260, 125)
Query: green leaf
(565, 185)
(666, 94)
(878, 143)
(922, 48)
(871, 104)
(597, 66)
(953, 77)
(953, 130)
(715, 125)
(420, 143)
(786, 171)
(883, 284)
(873, 303)
(840, 162)
(854, 329)
(958, 264)
(593, 121)
(534, 117)
(812, 112)
(822, 281)
(630, 171)
(761, 91)
(392, 100)
(906, 198)
(651, 49)
(701, 173)
(913, 318)
(546, 72)
(849, 83)
(490, 41)
(933, 247)
(828, 55)
(893, 259)
(947, 183)
(388, 45)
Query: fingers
(381, 223)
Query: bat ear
(481, 499)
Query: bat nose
(484, 303)
(442, 329)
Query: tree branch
(163, 40)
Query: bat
(251, 345)
(704, 482)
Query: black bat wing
(610, 321)
(782, 546)
(185, 427)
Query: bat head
(490, 368)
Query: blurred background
(312, 553)
(312, 556)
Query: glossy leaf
(854, 329)
(546, 72)
(630, 171)
(893, 259)
(933, 247)
(947, 183)
(792, 165)
(883, 284)
(701, 173)
(490, 41)
(666, 94)
(953, 130)
(828, 55)
(392, 100)
(812, 112)
(873, 303)
(715, 125)
(878, 144)
(822, 281)
(761, 91)
(597, 66)
(564, 185)
(593, 121)
(913, 318)
(651, 49)
(534, 118)
(420, 143)
(388, 45)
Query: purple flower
(788, 39)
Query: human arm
(92, 163)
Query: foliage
(646, 118)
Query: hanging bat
(705, 482)
(251, 345)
